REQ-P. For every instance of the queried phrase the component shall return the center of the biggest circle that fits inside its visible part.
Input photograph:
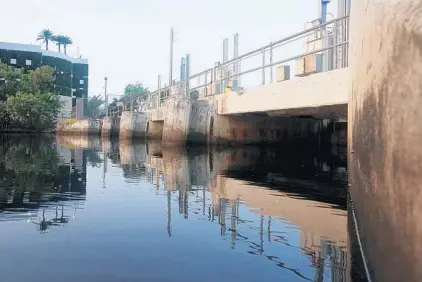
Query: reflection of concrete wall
(176, 168)
(80, 141)
(316, 218)
(132, 152)
(385, 133)
(199, 169)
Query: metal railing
(328, 42)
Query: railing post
(271, 61)
(206, 82)
(335, 50)
(263, 66)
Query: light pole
(105, 96)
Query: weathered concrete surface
(385, 134)
(79, 127)
(200, 120)
(133, 124)
(157, 114)
(155, 130)
(111, 126)
(322, 95)
(176, 120)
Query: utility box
(313, 63)
(300, 67)
(282, 73)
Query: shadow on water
(287, 204)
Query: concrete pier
(176, 120)
(385, 133)
(133, 125)
(111, 126)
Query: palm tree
(66, 41)
(45, 35)
(59, 39)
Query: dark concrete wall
(385, 135)
(155, 130)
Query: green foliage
(94, 104)
(26, 101)
(194, 94)
(133, 91)
(14, 80)
(33, 111)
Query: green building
(71, 73)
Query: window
(28, 62)
(13, 61)
(81, 81)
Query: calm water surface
(86, 209)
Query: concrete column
(176, 120)
(133, 124)
(111, 126)
(385, 135)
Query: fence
(324, 45)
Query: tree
(33, 111)
(60, 40)
(45, 35)
(94, 104)
(10, 80)
(194, 94)
(66, 41)
(133, 91)
(13, 80)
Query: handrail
(270, 46)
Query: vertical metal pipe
(263, 67)
(224, 68)
(271, 61)
(105, 96)
(187, 74)
(171, 57)
(236, 80)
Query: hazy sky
(128, 40)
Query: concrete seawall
(133, 125)
(385, 133)
(79, 127)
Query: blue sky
(128, 40)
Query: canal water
(87, 209)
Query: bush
(33, 111)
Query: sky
(128, 40)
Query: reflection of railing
(325, 48)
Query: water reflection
(40, 183)
(282, 205)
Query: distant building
(71, 73)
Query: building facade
(71, 74)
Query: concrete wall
(111, 126)
(79, 127)
(385, 133)
(133, 124)
(199, 121)
(176, 120)
(320, 95)
(155, 130)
